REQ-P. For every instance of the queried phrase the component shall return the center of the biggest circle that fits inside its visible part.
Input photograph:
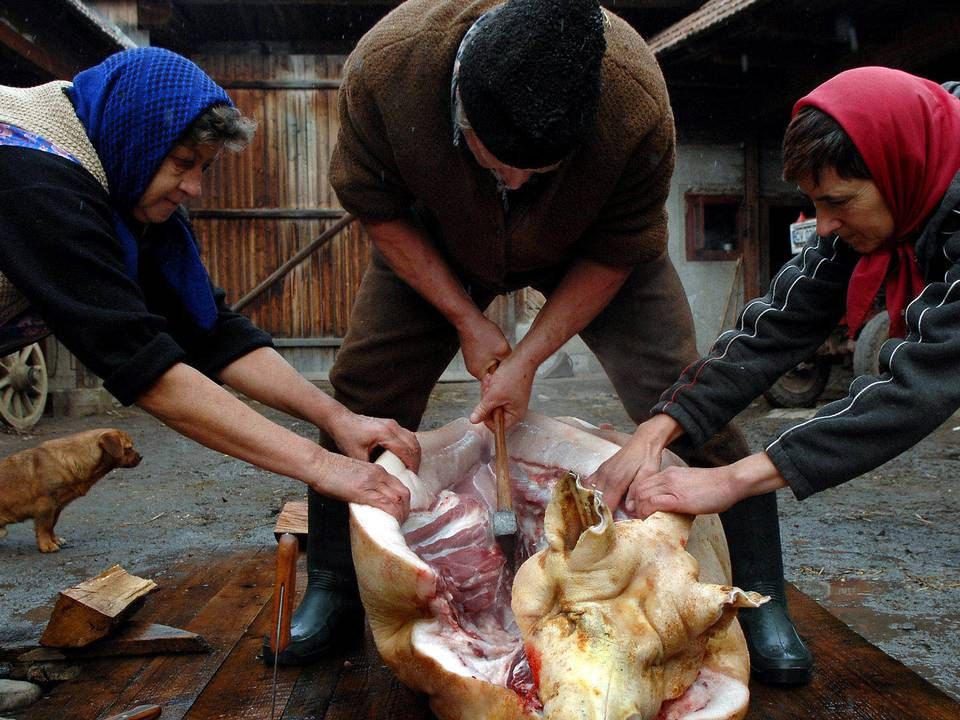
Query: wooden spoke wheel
(23, 387)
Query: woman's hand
(640, 458)
(193, 405)
(358, 435)
(699, 491)
(357, 481)
(482, 344)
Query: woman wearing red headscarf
(878, 152)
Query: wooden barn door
(262, 205)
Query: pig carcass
(627, 619)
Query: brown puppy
(40, 482)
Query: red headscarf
(907, 130)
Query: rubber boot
(330, 616)
(777, 654)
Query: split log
(90, 610)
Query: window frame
(696, 203)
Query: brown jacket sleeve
(363, 170)
(631, 226)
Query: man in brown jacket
(490, 147)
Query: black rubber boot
(777, 654)
(330, 616)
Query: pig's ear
(573, 510)
(112, 444)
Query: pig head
(616, 622)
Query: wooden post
(751, 226)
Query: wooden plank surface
(185, 590)
(176, 682)
(226, 598)
(852, 680)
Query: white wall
(712, 287)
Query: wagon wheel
(866, 353)
(23, 387)
(801, 386)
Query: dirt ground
(882, 553)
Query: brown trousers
(398, 345)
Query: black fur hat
(530, 79)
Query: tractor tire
(866, 353)
(801, 386)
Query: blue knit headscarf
(135, 106)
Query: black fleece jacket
(917, 390)
(58, 247)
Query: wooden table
(226, 598)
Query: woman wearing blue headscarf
(94, 240)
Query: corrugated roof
(712, 14)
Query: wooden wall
(262, 205)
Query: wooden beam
(21, 44)
(325, 84)
(292, 519)
(141, 712)
(751, 211)
(298, 257)
(165, 17)
(267, 213)
(935, 36)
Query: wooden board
(226, 597)
(133, 638)
(292, 518)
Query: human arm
(773, 333)
(699, 491)
(196, 407)
(368, 182)
(915, 392)
(416, 260)
(59, 249)
(264, 375)
(585, 289)
(633, 476)
(640, 458)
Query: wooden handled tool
(141, 712)
(504, 519)
(284, 590)
(504, 500)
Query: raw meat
(659, 640)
